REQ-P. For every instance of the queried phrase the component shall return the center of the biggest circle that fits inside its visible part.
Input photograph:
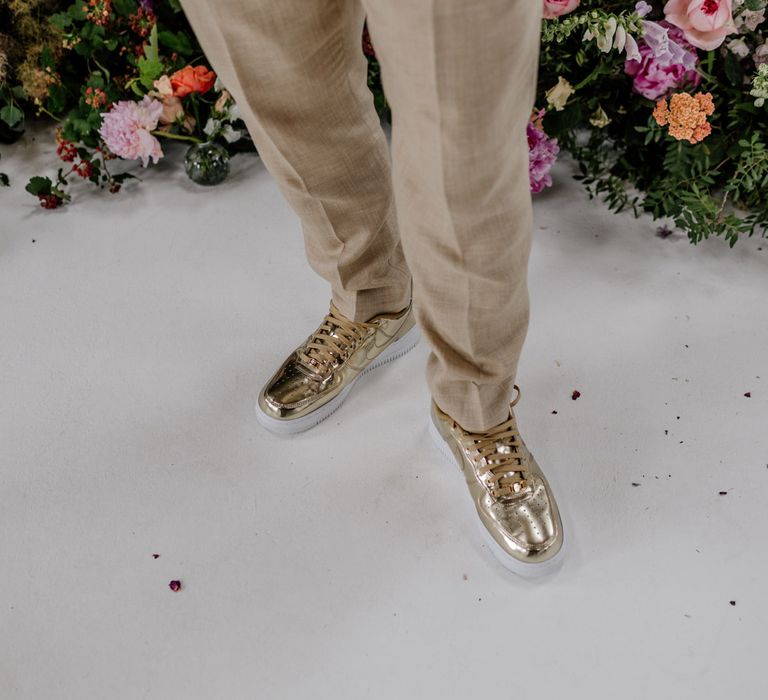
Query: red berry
(49, 201)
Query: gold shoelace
(332, 342)
(500, 455)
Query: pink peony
(654, 78)
(555, 8)
(542, 153)
(126, 129)
(705, 22)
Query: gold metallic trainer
(518, 512)
(317, 376)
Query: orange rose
(189, 79)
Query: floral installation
(118, 77)
(662, 105)
(542, 153)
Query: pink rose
(555, 8)
(704, 22)
(172, 110)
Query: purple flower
(666, 61)
(669, 45)
(542, 153)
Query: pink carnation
(654, 78)
(705, 22)
(542, 153)
(555, 8)
(126, 129)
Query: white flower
(633, 52)
(620, 39)
(738, 47)
(605, 41)
(761, 55)
(749, 20)
(230, 135)
(615, 36)
(211, 127)
(760, 85)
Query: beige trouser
(460, 77)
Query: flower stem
(177, 137)
(43, 110)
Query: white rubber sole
(523, 569)
(298, 425)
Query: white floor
(135, 332)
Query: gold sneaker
(317, 376)
(520, 518)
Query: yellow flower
(558, 94)
(599, 118)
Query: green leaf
(126, 8)
(122, 177)
(176, 41)
(11, 115)
(46, 58)
(77, 11)
(39, 186)
(96, 80)
(150, 66)
(57, 98)
(733, 69)
(61, 20)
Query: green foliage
(99, 53)
(712, 188)
(375, 86)
(592, 20)
(716, 187)
(11, 114)
(39, 185)
(150, 66)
